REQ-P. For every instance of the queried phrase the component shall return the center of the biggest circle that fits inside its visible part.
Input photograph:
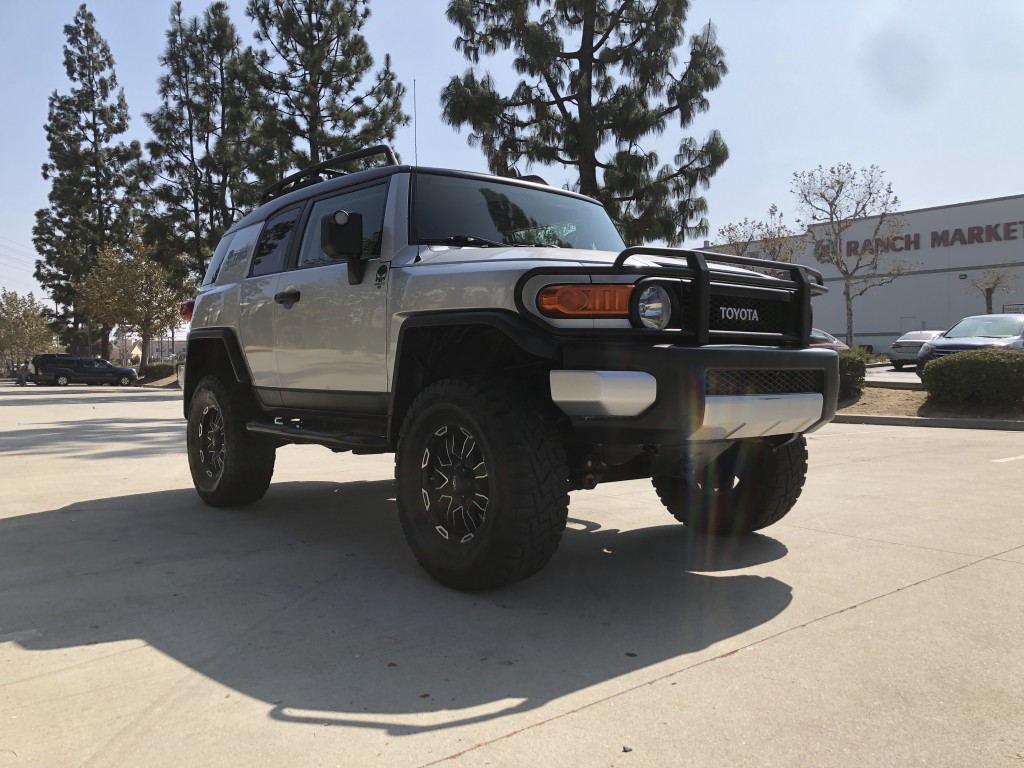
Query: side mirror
(341, 237)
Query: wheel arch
(440, 345)
(213, 351)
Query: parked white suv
(499, 338)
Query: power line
(17, 258)
(18, 246)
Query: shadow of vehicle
(311, 603)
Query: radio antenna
(415, 142)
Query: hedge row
(852, 365)
(986, 376)
(155, 371)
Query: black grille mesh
(754, 382)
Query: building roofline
(957, 205)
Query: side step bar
(293, 433)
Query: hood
(971, 342)
(445, 254)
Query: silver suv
(500, 339)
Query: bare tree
(830, 201)
(771, 239)
(993, 280)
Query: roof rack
(327, 169)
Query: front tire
(230, 466)
(124, 381)
(482, 483)
(749, 487)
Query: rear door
(331, 336)
(85, 371)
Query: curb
(920, 421)
(914, 385)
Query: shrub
(985, 376)
(155, 371)
(852, 365)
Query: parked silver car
(904, 350)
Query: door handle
(288, 296)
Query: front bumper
(672, 395)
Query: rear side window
(231, 259)
(218, 258)
(273, 245)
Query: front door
(330, 336)
(256, 305)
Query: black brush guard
(698, 289)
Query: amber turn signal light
(583, 301)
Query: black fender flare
(526, 335)
(200, 339)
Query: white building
(941, 249)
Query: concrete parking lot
(880, 624)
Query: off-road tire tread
(249, 460)
(534, 516)
(767, 497)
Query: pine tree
(598, 78)
(93, 177)
(315, 66)
(203, 138)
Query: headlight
(655, 307)
(926, 347)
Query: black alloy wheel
(454, 483)
(230, 466)
(212, 442)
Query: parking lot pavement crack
(896, 543)
(713, 659)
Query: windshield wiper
(464, 240)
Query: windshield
(482, 212)
(990, 327)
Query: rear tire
(62, 381)
(230, 466)
(898, 366)
(747, 488)
(482, 483)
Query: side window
(234, 262)
(218, 258)
(273, 245)
(368, 201)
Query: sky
(928, 90)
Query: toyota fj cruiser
(499, 338)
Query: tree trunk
(105, 342)
(587, 139)
(144, 356)
(849, 313)
(988, 300)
